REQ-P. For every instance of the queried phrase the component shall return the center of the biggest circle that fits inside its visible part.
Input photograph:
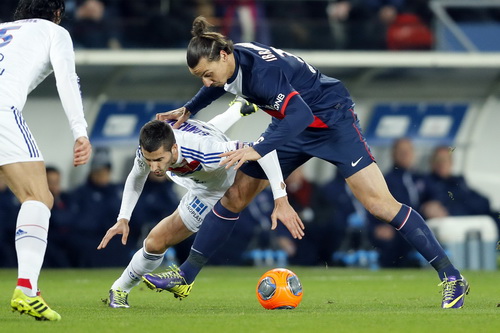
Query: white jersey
(197, 169)
(29, 51)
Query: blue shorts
(343, 145)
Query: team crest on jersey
(186, 168)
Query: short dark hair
(156, 134)
(44, 9)
(206, 43)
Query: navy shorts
(343, 145)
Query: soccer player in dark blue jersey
(313, 116)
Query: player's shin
(214, 231)
(142, 262)
(413, 228)
(31, 243)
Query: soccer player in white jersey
(190, 157)
(31, 48)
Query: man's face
(160, 160)
(213, 73)
(442, 163)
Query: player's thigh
(28, 181)
(17, 144)
(369, 187)
(168, 232)
(244, 189)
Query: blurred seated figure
(349, 238)
(447, 194)
(381, 24)
(313, 206)
(243, 20)
(96, 203)
(158, 199)
(298, 24)
(362, 24)
(60, 249)
(9, 207)
(160, 23)
(407, 187)
(93, 24)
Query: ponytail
(206, 43)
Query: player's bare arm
(285, 213)
(238, 157)
(121, 227)
(81, 151)
(181, 115)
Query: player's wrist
(279, 191)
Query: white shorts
(194, 206)
(17, 144)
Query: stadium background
(448, 94)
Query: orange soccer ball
(279, 288)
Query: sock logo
(21, 232)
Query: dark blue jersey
(295, 93)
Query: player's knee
(46, 198)
(383, 210)
(234, 200)
(154, 244)
(49, 200)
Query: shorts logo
(196, 207)
(353, 164)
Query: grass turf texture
(223, 300)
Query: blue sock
(214, 231)
(413, 228)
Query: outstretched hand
(81, 151)
(288, 216)
(120, 228)
(238, 157)
(181, 115)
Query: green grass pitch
(223, 300)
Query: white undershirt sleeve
(271, 166)
(133, 189)
(62, 58)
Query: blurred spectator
(93, 23)
(448, 194)
(380, 24)
(243, 20)
(362, 24)
(161, 23)
(9, 207)
(411, 29)
(350, 242)
(96, 203)
(158, 199)
(407, 187)
(299, 24)
(316, 247)
(60, 249)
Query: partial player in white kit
(31, 48)
(191, 159)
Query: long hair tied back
(206, 43)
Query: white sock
(228, 118)
(31, 241)
(141, 263)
